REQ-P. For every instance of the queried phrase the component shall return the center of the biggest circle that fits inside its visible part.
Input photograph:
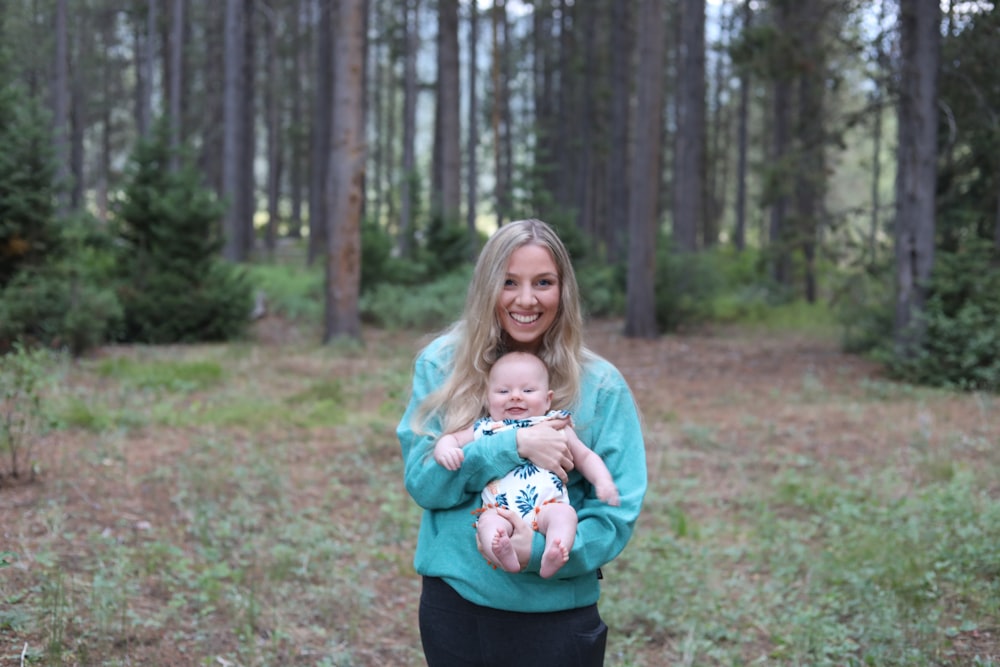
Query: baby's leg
(557, 521)
(494, 539)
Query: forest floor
(260, 519)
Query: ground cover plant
(242, 504)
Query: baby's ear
(551, 394)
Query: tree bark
(472, 142)
(920, 44)
(446, 177)
(640, 315)
(689, 140)
(232, 132)
(408, 186)
(344, 190)
(618, 195)
(321, 130)
(60, 103)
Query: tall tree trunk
(176, 80)
(779, 248)
(297, 135)
(583, 189)
(446, 174)
(233, 154)
(273, 106)
(618, 195)
(498, 115)
(920, 52)
(644, 219)
(344, 191)
(248, 188)
(60, 104)
(81, 47)
(739, 231)
(319, 157)
(472, 141)
(408, 186)
(689, 140)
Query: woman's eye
(545, 282)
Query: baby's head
(518, 387)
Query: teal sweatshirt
(606, 420)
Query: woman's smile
(529, 300)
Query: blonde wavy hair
(479, 339)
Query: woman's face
(529, 299)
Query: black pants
(457, 633)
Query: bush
(67, 302)
(686, 287)
(602, 289)
(961, 345)
(863, 304)
(174, 285)
(426, 307)
(22, 373)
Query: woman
(523, 297)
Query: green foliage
(863, 304)
(174, 287)
(446, 247)
(23, 373)
(66, 302)
(174, 376)
(293, 291)
(970, 131)
(423, 307)
(27, 194)
(685, 286)
(961, 345)
(379, 266)
(602, 288)
(49, 293)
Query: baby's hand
(609, 494)
(448, 455)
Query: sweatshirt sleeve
(608, 423)
(432, 486)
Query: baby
(518, 396)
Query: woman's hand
(546, 446)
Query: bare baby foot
(555, 557)
(504, 552)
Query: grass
(243, 505)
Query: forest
(227, 227)
(707, 162)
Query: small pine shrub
(28, 229)
(961, 345)
(174, 286)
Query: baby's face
(518, 388)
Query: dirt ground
(719, 381)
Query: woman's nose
(525, 296)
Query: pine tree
(27, 195)
(175, 285)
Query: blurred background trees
(758, 157)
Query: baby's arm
(592, 467)
(448, 449)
